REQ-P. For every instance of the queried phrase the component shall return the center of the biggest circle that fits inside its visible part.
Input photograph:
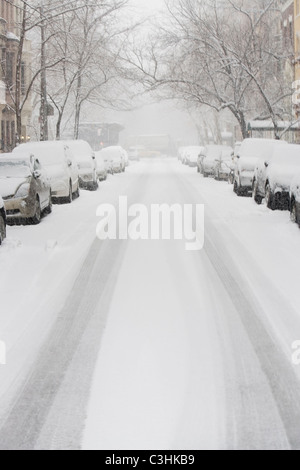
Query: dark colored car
(25, 188)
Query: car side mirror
(238, 156)
(266, 164)
(70, 163)
(37, 174)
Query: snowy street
(142, 344)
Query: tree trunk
(77, 121)
(44, 107)
(58, 125)
(18, 107)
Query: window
(9, 68)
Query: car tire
(70, 197)
(237, 188)
(49, 207)
(294, 215)
(269, 198)
(258, 199)
(2, 230)
(36, 219)
(77, 192)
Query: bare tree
(223, 55)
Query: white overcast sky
(147, 6)
(160, 118)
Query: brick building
(10, 20)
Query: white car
(86, 162)
(224, 165)
(191, 155)
(103, 166)
(260, 177)
(210, 156)
(284, 165)
(250, 152)
(135, 153)
(181, 152)
(2, 221)
(114, 157)
(60, 164)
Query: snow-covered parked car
(86, 162)
(181, 152)
(209, 158)
(24, 187)
(295, 199)
(191, 155)
(60, 164)
(260, 178)
(114, 158)
(284, 165)
(224, 164)
(2, 221)
(250, 151)
(236, 150)
(135, 153)
(103, 166)
(126, 156)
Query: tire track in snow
(278, 370)
(87, 304)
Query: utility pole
(44, 108)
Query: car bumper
(87, 180)
(20, 208)
(223, 175)
(246, 180)
(102, 174)
(59, 190)
(208, 171)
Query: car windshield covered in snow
(14, 169)
(213, 151)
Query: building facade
(10, 21)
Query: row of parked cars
(36, 175)
(267, 169)
(212, 160)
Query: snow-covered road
(143, 345)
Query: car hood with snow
(9, 186)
